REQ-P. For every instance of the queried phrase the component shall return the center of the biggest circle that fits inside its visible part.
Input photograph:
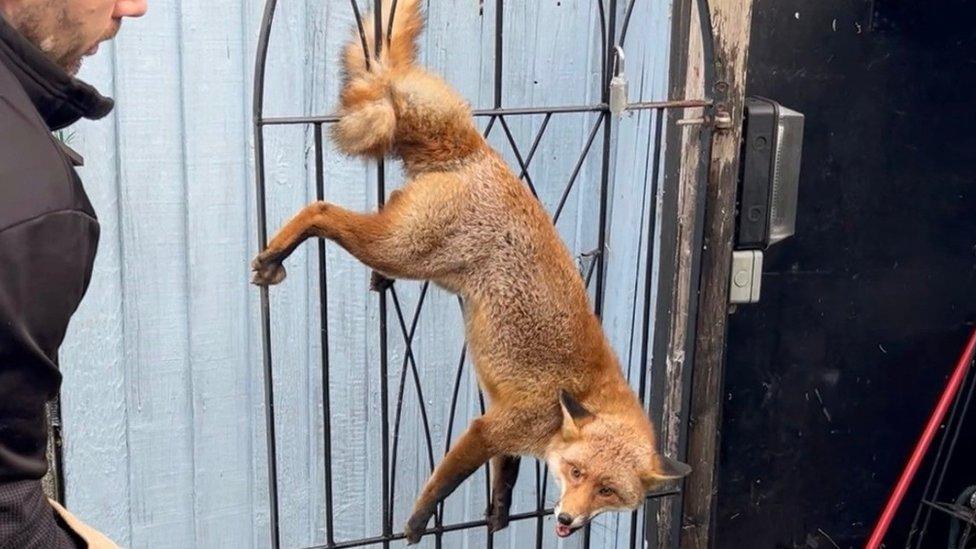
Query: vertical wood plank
(678, 269)
(731, 25)
(213, 114)
(94, 407)
(352, 313)
(153, 206)
(286, 185)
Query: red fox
(465, 222)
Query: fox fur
(464, 221)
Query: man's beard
(50, 27)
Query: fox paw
(497, 518)
(413, 533)
(379, 283)
(416, 526)
(266, 271)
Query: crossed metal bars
(497, 117)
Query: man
(48, 237)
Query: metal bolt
(723, 120)
(692, 121)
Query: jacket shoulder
(35, 177)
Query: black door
(831, 377)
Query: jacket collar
(60, 98)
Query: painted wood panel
(163, 397)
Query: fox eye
(576, 472)
(606, 491)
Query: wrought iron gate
(394, 321)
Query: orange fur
(465, 222)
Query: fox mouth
(565, 531)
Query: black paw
(497, 518)
(379, 283)
(416, 526)
(266, 271)
(414, 529)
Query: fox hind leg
(378, 282)
(470, 452)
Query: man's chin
(73, 66)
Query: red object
(922, 446)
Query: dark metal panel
(832, 374)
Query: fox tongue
(563, 531)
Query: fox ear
(665, 469)
(575, 416)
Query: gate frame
(696, 242)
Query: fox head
(604, 462)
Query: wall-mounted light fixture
(772, 146)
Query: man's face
(68, 30)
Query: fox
(465, 222)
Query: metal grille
(962, 513)
(394, 321)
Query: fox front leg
(370, 237)
(504, 473)
(397, 241)
(472, 451)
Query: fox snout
(566, 524)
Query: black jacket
(48, 236)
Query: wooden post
(679, 241)
(731, 22)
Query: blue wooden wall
(163, 400)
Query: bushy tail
(368, 118)
(398, 51)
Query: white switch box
(746, 276)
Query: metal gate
(395, 322)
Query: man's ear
(665, 469)
(575, 416)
